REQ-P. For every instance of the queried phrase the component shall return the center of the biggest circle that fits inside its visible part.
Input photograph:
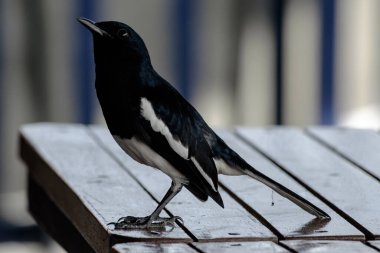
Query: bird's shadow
(314, 226)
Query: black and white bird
(156, 126)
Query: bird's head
(116, 42)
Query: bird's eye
(123, 33)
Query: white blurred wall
(358, 63)
(302, 62)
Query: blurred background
(240, 62)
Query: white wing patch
(203, 173)
(159, 126)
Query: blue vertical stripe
(327, 68)
(278, 29)
(183, 36)
(85, 64)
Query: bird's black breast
(120, 103)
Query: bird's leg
(153, 220)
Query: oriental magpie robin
(156, 126)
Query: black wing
(180, 135)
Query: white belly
(142, 153)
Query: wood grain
(87, 185)
(80, 180)
(328, 246)
(290, 220)
(206, 221)
(350, 191)
(240, 247)
(152, 248)
(360, 146)
(375, 244)
(210, 247)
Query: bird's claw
(130, 222)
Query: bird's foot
(147, 222)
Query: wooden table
(79, 180)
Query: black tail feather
(283, 191)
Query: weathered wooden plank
(328, 246)
(53, 221)
(375, 244)
(206, 221)
(290, 220)
(360, 146)
(153, 248)
(86, 184)
(240, 247)
(352, 192)
(210, 247)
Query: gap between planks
(271, 227)
(70, 198)
(252, 211)
(138, 182)
(104, 144)
(293, 246)
(207, 247)
(239, 201)
(348, 218)
(373, 246)
(110, 154)
(301, 224)
(339, 153)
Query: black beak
(90, 25)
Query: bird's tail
(282, 190)
(237, 166)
